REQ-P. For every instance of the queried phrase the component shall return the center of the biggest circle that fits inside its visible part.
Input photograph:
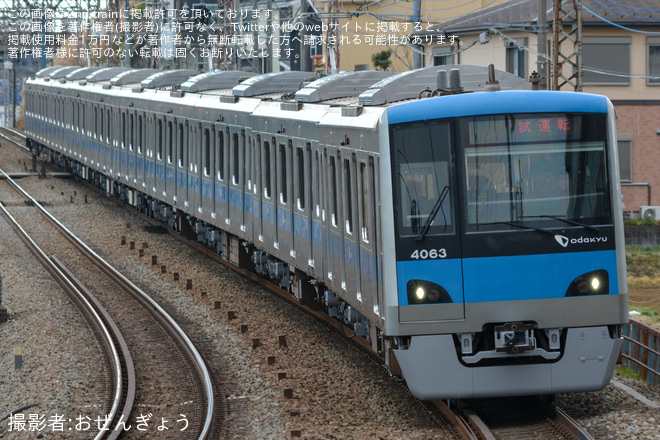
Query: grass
(624, 371)
(643, 267)
(649, 315)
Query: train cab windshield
(542, 170)
(422, 161)
(514, 171)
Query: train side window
(266, 169)
(235, 160)
(300, 171)
(220, 155)
(282, 169)
(81, 118)
(131, 131)
(181, 137)
(96, 122)
(159, 139)
(333, 191)
(139, 135)
(248, 163)
(244, 159)
(348, 197)
(108, 121)
(170, 142)
(123, 130)
(316, 185)
(365, 198)
(207, 152)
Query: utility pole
(542, 45)
(304, 51)
(417, 18)
(567, 46)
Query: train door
(335, 244)
(160, 156)
(220, 175)
(268, 235)
(319, 209)
(350, 227)
(168, 183)
(284, 197)
(301, 209)
(236, 179)
(367, 233)
(181, 162)
(256, 192)
(194, 182)
(248, 187)
(207, 162)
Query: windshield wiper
(570, 222)
(427, 224)
(519, 225)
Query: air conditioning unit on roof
(650, 212)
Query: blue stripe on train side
(496, 103)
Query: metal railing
(640, 350)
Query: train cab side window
(267, 170)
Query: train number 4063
(426, 254)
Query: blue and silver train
(470, 229)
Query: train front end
(505, 246)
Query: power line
(636, 9)
(623, 13)
(618, 25)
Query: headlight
(426, 292)
(590, 283)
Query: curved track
(520, 418)
(168, 368)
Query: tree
(382, 60)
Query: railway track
(520, 418)
(153, 368)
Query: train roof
(295, 90)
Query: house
(620, 57)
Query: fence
(640, 350)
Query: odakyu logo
(565, 241)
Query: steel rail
(79, 298)
(147, 301)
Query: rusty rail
(640, 350)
